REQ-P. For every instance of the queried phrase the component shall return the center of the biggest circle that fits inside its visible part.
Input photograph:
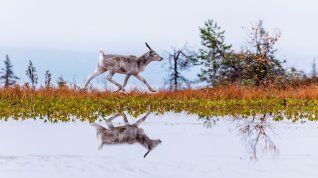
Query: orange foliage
(221, 92)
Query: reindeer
(129, 133)
(129, 65)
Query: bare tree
(179, 60)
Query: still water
(183, 146)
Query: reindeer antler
(146, 153)
(148, 46)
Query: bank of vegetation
(65, 104)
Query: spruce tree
(8, 76)
(31, 73)
(314, 70)
(48, 79)
(213, 53)
(61, 83)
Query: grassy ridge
(68, 104)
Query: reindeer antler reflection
(254, 131)
(128, 133)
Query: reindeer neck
(143, 61)
(144, 140)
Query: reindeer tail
(101, 51)
(101, 54)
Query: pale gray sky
(122, 26)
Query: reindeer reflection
(255, 134)
(128, 133)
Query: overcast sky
(122, 26)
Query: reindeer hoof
(121, 89)
(83, 90)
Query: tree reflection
(208, 122)
(255, 132)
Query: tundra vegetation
(66, 104)
(251, 82)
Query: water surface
(191, 147)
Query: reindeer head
(152, 145)
(152, 55)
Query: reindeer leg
(109, 78)
(125, 119)
(144, 81)
(101, 146)
(142, 119)
(126, 80)
(109, 121)
(97, 72)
